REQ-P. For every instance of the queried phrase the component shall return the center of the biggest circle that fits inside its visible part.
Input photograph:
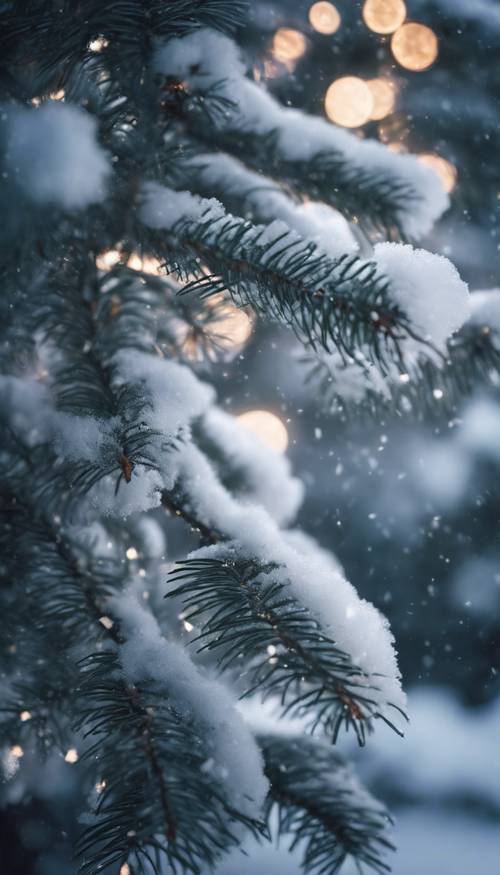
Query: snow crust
(314, 221)
(428, 289)
(267, 474)
(206, 58)
(162, 207)
(174, 393)
(355, 625)
(147, 655)
(485, 308)
(54, 154)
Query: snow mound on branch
(163, 207)
(207, 58)
(147, 655)
(175, 395)
(485, 308)
(314, 221)
(356, 626)
(55, 156)
(266, 474)
(428, 289)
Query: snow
(206, 58)
(428, 289)
(54, 154)
(267, 477)
(147, 655)
(485, 308)
(162, 207)
(172, 393)
(355, 625)
(316, 222)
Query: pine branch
(341, 304)
(241, 612)
(430, 387)
(322, 806)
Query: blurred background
(409, 505)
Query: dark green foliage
(156, 786)
(342, 304)
(252, 620)
(321, 804)
(435, 385)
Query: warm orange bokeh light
(144, 263)
(267, 426)
(446, 171)
(288, 44)
(324, 17)
(384, 16)
(383, 92)
(415, 46)
(349, 102)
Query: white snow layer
(485, 308)
(147, 655)
(55, 156)
(205, 58)
(266, 473)
(163, 207)
(428, 289)
(355, 625)
(175, 394)
(426, 286)
(314, 221)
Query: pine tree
(149, 184)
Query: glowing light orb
(267, 426)
(349, 102)
(71, 755)
(383, 92)
(324, 17)
(232, 328)
(144, 263)
(415, 46)
(25, 715)
(16, 751)
(224, 335)
(446, 171)
(384, 16)
(106, 260)
(288, 44)
(125, 869)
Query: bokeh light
(349, 102)
(324, 18)
(446, 171)
(384, 16)
(107, 259)
(383, 92)
(288, 44)
(267, 426)
(233, 326)
(71, 756)
(415, 46)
